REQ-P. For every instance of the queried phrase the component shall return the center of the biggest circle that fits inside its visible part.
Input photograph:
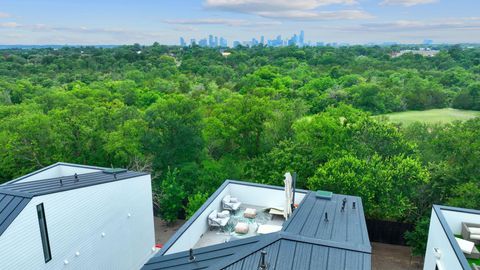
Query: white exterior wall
(455, 219)
(191, 236)
(260, 196)
(57, 171)
(246, 194)
(76, 220)
(437, 238)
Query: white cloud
(218, 21)
(407, 3)
(317, 15)
(416, 26)
(9, 25)
(290, 9)
(253, 6)
(4, 15)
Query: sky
(89, 22)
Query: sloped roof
(307, 241)
(15, 196)
(283, 251)
(11, 204)
(346, 227)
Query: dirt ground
(164, 232)
(392, 257)
(384, 256)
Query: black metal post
(263, 263)
(294, 185)
(191, 258)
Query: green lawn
(431, 116)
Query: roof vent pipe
(326, 217)
(76, 177)
(353, 206)
(263, 263)
(191, 258)
(61, 182)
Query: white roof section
(59, 169)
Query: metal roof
(345, 226)
(15, 196)
(10, 206)
(307, 241)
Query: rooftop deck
(307, 240)
(217, 236)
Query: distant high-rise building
(301, 39)
(215, 43)
(427, 42)
(203, 42)
(275, 42)
(193, 41)
(293, 41)
(236, 43)
(223, 42)
(210, 41)
(182, 42)
(262, 40)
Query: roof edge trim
(52, 166)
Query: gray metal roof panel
(285, 254)
(204, 257)
(347, 226)
(10, 207)
(64, 183)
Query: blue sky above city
(146, 21)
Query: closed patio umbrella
(288, 195)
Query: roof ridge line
(268, 240)
(364, 248)
(16, 193)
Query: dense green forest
(194, 118)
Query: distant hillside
(431, 116)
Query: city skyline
(146, 21)
(299, 40)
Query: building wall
(455, 219)
(76, 220)
(267, 197)
(57, 171)
(437, 238)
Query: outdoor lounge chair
(218, 219)
(471, 232)
(468, 248)
(230, 203)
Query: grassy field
(431, 116)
